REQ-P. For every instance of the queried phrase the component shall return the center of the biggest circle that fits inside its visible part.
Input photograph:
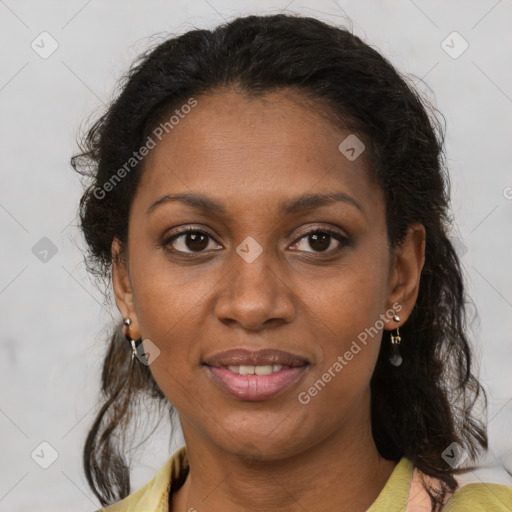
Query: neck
(343, 468)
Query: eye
(189, 241)
(320, 240)
(192, 240)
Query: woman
(270, 201)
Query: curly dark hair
(419, 408)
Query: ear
(404, 278)
(123, 289)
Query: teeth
(256, 370)
(245, 370)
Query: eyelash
(344, 241)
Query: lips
(255, 375)
(263, 357)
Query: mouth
(254, 376)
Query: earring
(127, 322)
(395, 358)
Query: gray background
(52, 327)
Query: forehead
(258, 149)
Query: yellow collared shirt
(399, 493)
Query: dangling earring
(395, 358)
(127, 322)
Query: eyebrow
(298, 204)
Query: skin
(251, 154)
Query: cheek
(170, 308)
(348, 311)
(347, 353)
(352, 298)
(166, 295)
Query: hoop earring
(395, 359)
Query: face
(254, 272)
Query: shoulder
(480, 497)
(474, 493)
(154, 496)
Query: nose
(255, 293)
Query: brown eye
(190, 241)
(320, 240)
